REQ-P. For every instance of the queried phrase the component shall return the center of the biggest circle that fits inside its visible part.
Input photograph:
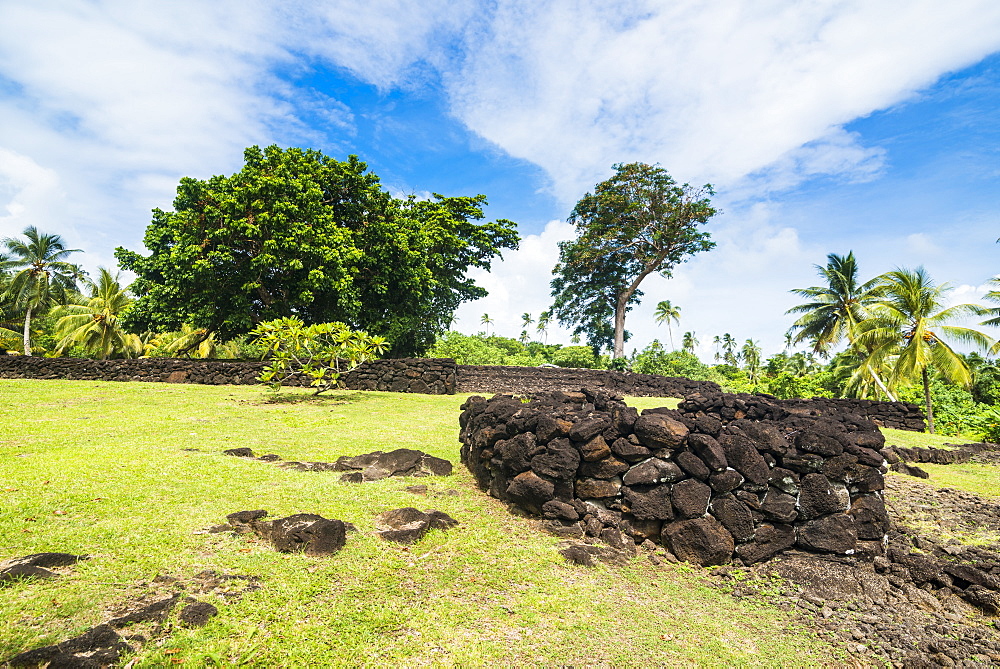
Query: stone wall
(898, 415)
(722, 478)
(435, 376)
(527, 380)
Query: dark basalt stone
(607, 468)
(559, 461)
(530, 491)
(660, 432)
(629, 450)
(693, 465)
(690, 498)
(653, 472)
(768, 541)
(778, 506)
(817, 498)
(744, 458)
(836, 533)
(708, 450)
(703, 541)
(735, 516)
(649, 503)
(723, 482)
(308, 533)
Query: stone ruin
(722, 478)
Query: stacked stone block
(435, 376)
(718, 479)
(527, 380)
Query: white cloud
(713, 94)
(518, 284)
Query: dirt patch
(930, 601)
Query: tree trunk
(620, 303)
(27, 331)
(927, 400)
(879, 383)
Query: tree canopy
(44, 278)
(638, 222)
(297, 233)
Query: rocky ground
(912, 607)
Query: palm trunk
(670, 334)
(879, 383)
(927, 400)
(27, 331)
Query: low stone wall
(527, 380)
(435, 376)
(898, 415)
(719, 479)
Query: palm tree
(717, 342)
(45, 278)
(689, 342)
(544, 320)
(526, 320)
(8, 313)
(487, 321)
(95, 325)
(899, 329)
(729, 349)
(666, 312)
(524, 337)
(836, 310)
(750, 353)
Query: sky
(825, 127)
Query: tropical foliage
(95, 324)
(42, 278)
(321, 351)
(297, 233)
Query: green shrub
(575, 356)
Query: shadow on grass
(328, 399)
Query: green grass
(971, 477)
(909, 439)
(641, 403)
(101, 468)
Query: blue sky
(826, 127)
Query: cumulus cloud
(518, 284)
(713, 94)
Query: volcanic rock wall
(435, 376)
(527, 380)
(721, 478)
(898, 415)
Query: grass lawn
(104, 469)
(908, 439)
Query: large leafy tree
(95, 325)
(638, 222)
(42, 276)
(834, 312)
(910, 326)
(296, 233)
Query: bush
(654, 359)
(955, 410)
(322, 351)
(575, 356)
